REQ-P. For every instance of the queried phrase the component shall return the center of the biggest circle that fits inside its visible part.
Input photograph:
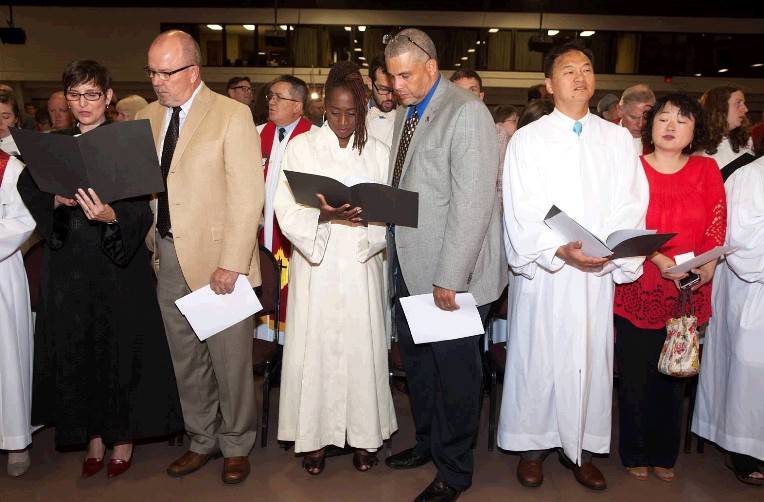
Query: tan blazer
(216, 188)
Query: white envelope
(209, 314)
(685, 265)
(428, 323)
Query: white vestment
(16, 225)
(262, 329)
(335, 380)
(724, 154)
(729, 409)
(380, 124)
(558, 381)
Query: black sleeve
(121, 240)
(53, 224)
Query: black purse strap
(684, 303)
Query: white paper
(209, 314)
(700, 260)
(428, 323)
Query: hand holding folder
(118, 161)
(619, 244)
(380, 203)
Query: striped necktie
(408, 132)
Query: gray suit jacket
(452, 162)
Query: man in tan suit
(206, 233)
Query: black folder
(117, 160)
(380, 203)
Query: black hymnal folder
(380, 203)
(619, 244)
(118, 161)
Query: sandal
(364, 460)
(742, 476)
(314, 462)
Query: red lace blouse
(691, 202)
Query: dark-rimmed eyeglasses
(90, 95)
(390, 38)
(164, 75)
(244, 88)
(382, 91)
(278, 97)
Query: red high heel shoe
(91, 466)
(117, 467)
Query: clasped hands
(91, 205)
(344, 212)
(663, 262)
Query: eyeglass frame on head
(164, 75)
(382, 92)
(81, 95)
(387, 38)
(245, 88)
(279, 97)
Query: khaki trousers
(215, 381)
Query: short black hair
(534, 92)
(234, 81)
(467, 73)
(299, 89)
(42, 116)
(688, 107)
(378, 63)
(82, 71)
(559, 50)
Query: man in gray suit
(444, 148)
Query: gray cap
(606, 103)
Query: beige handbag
(680, 356)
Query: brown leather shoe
(188, 463)
(530, 473)
(589, 476)
(235, 469)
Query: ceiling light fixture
(250, 27)
(587, 33)
(215, 27)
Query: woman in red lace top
(686, 196)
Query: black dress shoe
(438, 491)
(407, 459)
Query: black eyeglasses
(382, 91)
(244, 88)
(90, 95)
(164, 75)
(390, 38)
(278, 97)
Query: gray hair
(131, 104)
(414, 41)
(637, 94)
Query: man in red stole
(286, 100)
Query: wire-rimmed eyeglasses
(164, 75)
(89, 95)
(278, 97)
(386, 39)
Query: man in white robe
(729, 409)
(558, 381)
(16, 225)
(380, 118)
(286, 102)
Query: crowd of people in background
(110, 359)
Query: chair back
(33, 266)
(269, 292)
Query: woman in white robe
(16, 225)
(335, 387)
(729, 409)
